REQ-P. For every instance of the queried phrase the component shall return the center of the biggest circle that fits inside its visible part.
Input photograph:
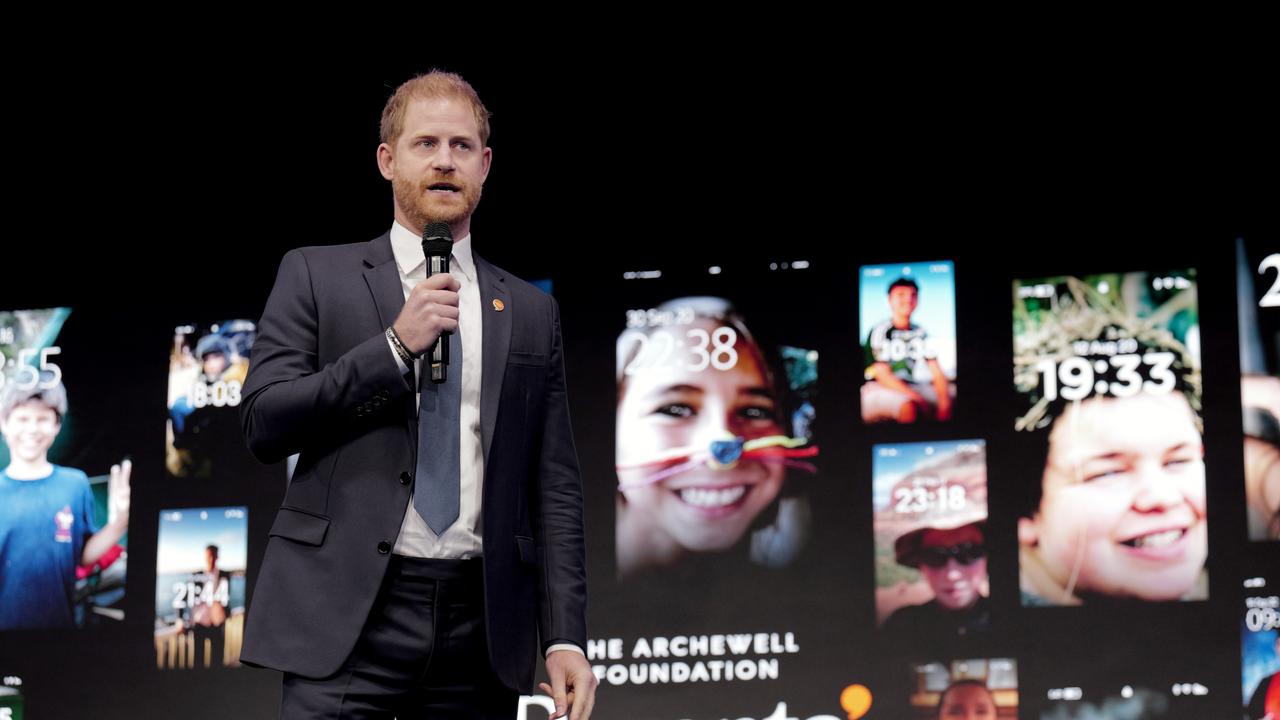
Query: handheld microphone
(437, 245)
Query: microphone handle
(440, 350)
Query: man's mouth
(444, 187)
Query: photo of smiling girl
(705, 441)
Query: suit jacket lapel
(383, 278)
(496, 342)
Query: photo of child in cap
(930, 530)
(48, 533)
(62, 539)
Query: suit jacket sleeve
(289, 401)
(559, 524)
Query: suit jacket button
(405, 478)
(384, 547)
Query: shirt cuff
(565, 646)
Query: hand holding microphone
(432, 309)
(431, 313)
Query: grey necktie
(437, 479)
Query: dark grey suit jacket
(324, 383)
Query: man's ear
(386, 161)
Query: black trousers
(217, 637)
(422, 654)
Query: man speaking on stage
(430, 543)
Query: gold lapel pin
(498, 305)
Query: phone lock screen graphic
(200, 577)
(1258, 286)
(930, 502)
(1114, 501)
(63, 532)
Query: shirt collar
(407, 248)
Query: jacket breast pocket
(300, 526)
(527, 359)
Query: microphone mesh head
(437, 230)
(437, 239)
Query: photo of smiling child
(711, 429)
(1110, 368)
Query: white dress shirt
(462, 538)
